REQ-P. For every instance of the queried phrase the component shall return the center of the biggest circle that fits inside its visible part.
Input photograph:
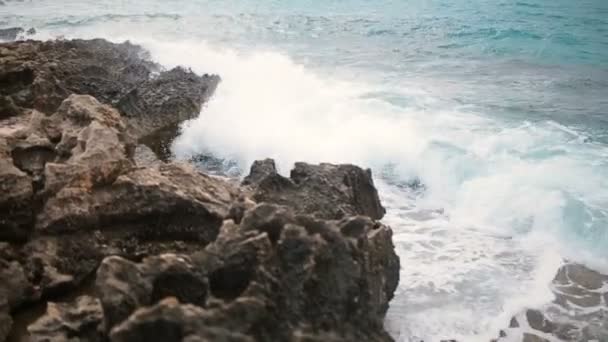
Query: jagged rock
(122, 289)
(76, 321)
(16, 191)
(327, 191)
(41, 75)
(275, 277)
(537, 321)
(124, 286)
(170, 321)
(577, 313)
(98, 185)
(79, 199)
(172, 97)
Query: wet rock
(41, 75)
(533, 338)
(121, 288)
(327, 191)
(172, 97)
(578, 312)
(537, 321)
(98, 185)
(76, 321)
(584, 276)
(10, 34)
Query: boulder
(41, 75)
(328, 191)
(277, 276)
(76, 321)
(172, 97)
(124, 286)
(170, 321)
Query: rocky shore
(101, 241)
(103, 238)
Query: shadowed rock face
(347, 185)
(314, 277)
(175, 254)
(41, 75)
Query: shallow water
(498, 108)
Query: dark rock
(578, 312)
(275, 277)
(585, 277)
(13, 283)
(172, 97)
(514, 323)
(533, 338)
(122, 289)
(10, 34)
(77, 321)
(31, 31)
(169, 321)
(6, 321)
(41, 75)
(124, 286)
(16, 193)
(327, 191)
(537, 321)
(8, 108)
(79, 199)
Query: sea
(485, 123)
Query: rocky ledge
(116, 245)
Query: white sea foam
(502, 205)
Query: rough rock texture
(78, 321)
(271, 278)
(347, 185)
(41, 75)
(174, 254)
(578, 313)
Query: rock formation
(124, 247)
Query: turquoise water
(498, 108)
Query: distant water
(496, 110)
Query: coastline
(274, 181)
